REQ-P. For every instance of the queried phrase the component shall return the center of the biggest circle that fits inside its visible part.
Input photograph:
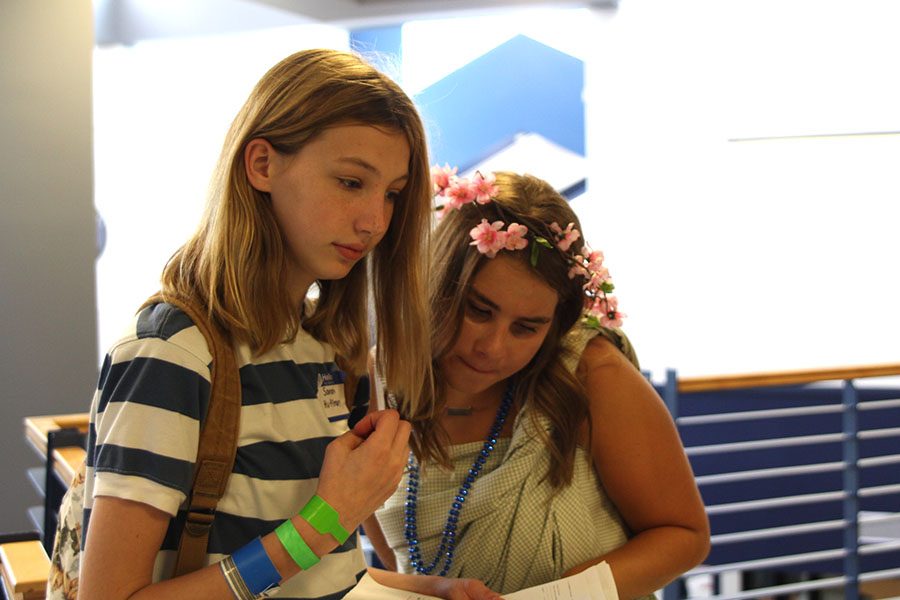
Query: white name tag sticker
(331, 394)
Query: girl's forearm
(652, 559)
(419, 584)
(379, 543)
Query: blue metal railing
(850, 448)
(791, 474)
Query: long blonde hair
(235, 262)
(545, 383)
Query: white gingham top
(515, 530)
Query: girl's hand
(463, 589)
(365, 426)
(432, 585)
(363, 467)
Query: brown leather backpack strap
(218, 439)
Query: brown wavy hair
(235, 263)
(545, 384)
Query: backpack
(215, 459)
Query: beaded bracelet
(324, 519)
(296, 546)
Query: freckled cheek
(388, 219)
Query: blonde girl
(322, 185)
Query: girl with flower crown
(322, 183)
(547, 451)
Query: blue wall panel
(383, 40)
(520, 86)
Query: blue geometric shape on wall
(385, 40)
(520, 86)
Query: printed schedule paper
(595, 583)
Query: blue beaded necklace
(445, 550)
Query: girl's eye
(477, 313)
(392, 197)
(353, 184)
(523, 330)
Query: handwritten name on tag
(331, 394)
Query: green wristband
(324, 519)
(296, 546)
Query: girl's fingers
(374, 420)
(401, 438)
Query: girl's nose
(376, 216)
(491, 341)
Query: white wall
(48, 362)
(737, 256)
(729, 256)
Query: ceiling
(129, 21)
(357, 11)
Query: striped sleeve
(151, 398)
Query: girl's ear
(258, 157)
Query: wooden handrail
(24, 569)
(774, 378)
(36, 428)
(66, 460)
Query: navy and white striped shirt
(145, 425)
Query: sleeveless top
(515, 531)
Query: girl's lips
(474, 368)
(350, 252)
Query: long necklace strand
(447, 546)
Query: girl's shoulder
(163, 331)
(609, 371)
(162, 320)
(589, 341)
(602, 352)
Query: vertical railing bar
(670, 397)
(851, 490)
(670, 393)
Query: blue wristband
(255, 567)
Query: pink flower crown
(490, 238)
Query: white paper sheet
(369, 589)
(595, 583)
